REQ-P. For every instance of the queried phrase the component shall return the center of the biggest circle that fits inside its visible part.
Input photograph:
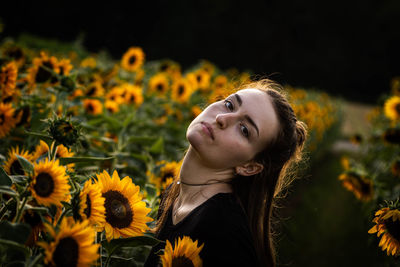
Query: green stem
(4, 209)
(21, 210)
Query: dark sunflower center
(26, 112)
(32, 218)
(132, 99)
(43, 74)
(166, 176)
(15, 53)
(181, 89)
(198, 77)
(365, 187)
(132, 59)
(16, 168)
(66, 252)
(90, 108)
(61, 70)
(397, 108)
(118, 211)
(393, 228)
(88, 210)
(159, 87)
(91, 91)
(2, 119)
(8, 99)
(181, 261)
(44, 185)
(392, 136)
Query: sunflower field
(88, 143)
(372, 172)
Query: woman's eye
(228, 104)
(245, 131)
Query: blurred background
(349, 50)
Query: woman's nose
(224, 119)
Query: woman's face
(241, 126)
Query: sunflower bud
(68, 83)
(64, 132)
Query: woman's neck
(194, 171)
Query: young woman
(231, 175)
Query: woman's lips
(208, 129)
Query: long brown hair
(258, 193)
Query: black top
(221, 224)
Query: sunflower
(111, 106)
(184, 253)
(356, 139)
(64, 131)
(208, 67)
(35, 222)
(15, 53)
(64, 152)
(203, 79)
(133, 94)
(168, 172)
(359, 185)
(387, 222)
(73, 245)
(7, 120)
(392, 108)
(50, 183)
(132, 59)
(181, 90)
(37, 73)
(41, 151)
(8, 78)
(220, 82)
(139, 77)
(23, 116)
(12, 165)
(159, 84)
(116, 94)
(94, 89)
(195, 111)
(89, 62)
(65, 66)
(92, 205)
(392, 136)
(125, 210)
(93, 106)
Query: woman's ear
(249, 169)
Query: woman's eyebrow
(240, 101)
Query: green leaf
(158, 146)
(143, 158)
(14, 245)
(142, 139)
(64, 161)
(18, 179)
(136, 241)
(8, 191)
(17, 232)
(4, 178)
(41, 135)
(26, 165)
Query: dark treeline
(348, 48)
